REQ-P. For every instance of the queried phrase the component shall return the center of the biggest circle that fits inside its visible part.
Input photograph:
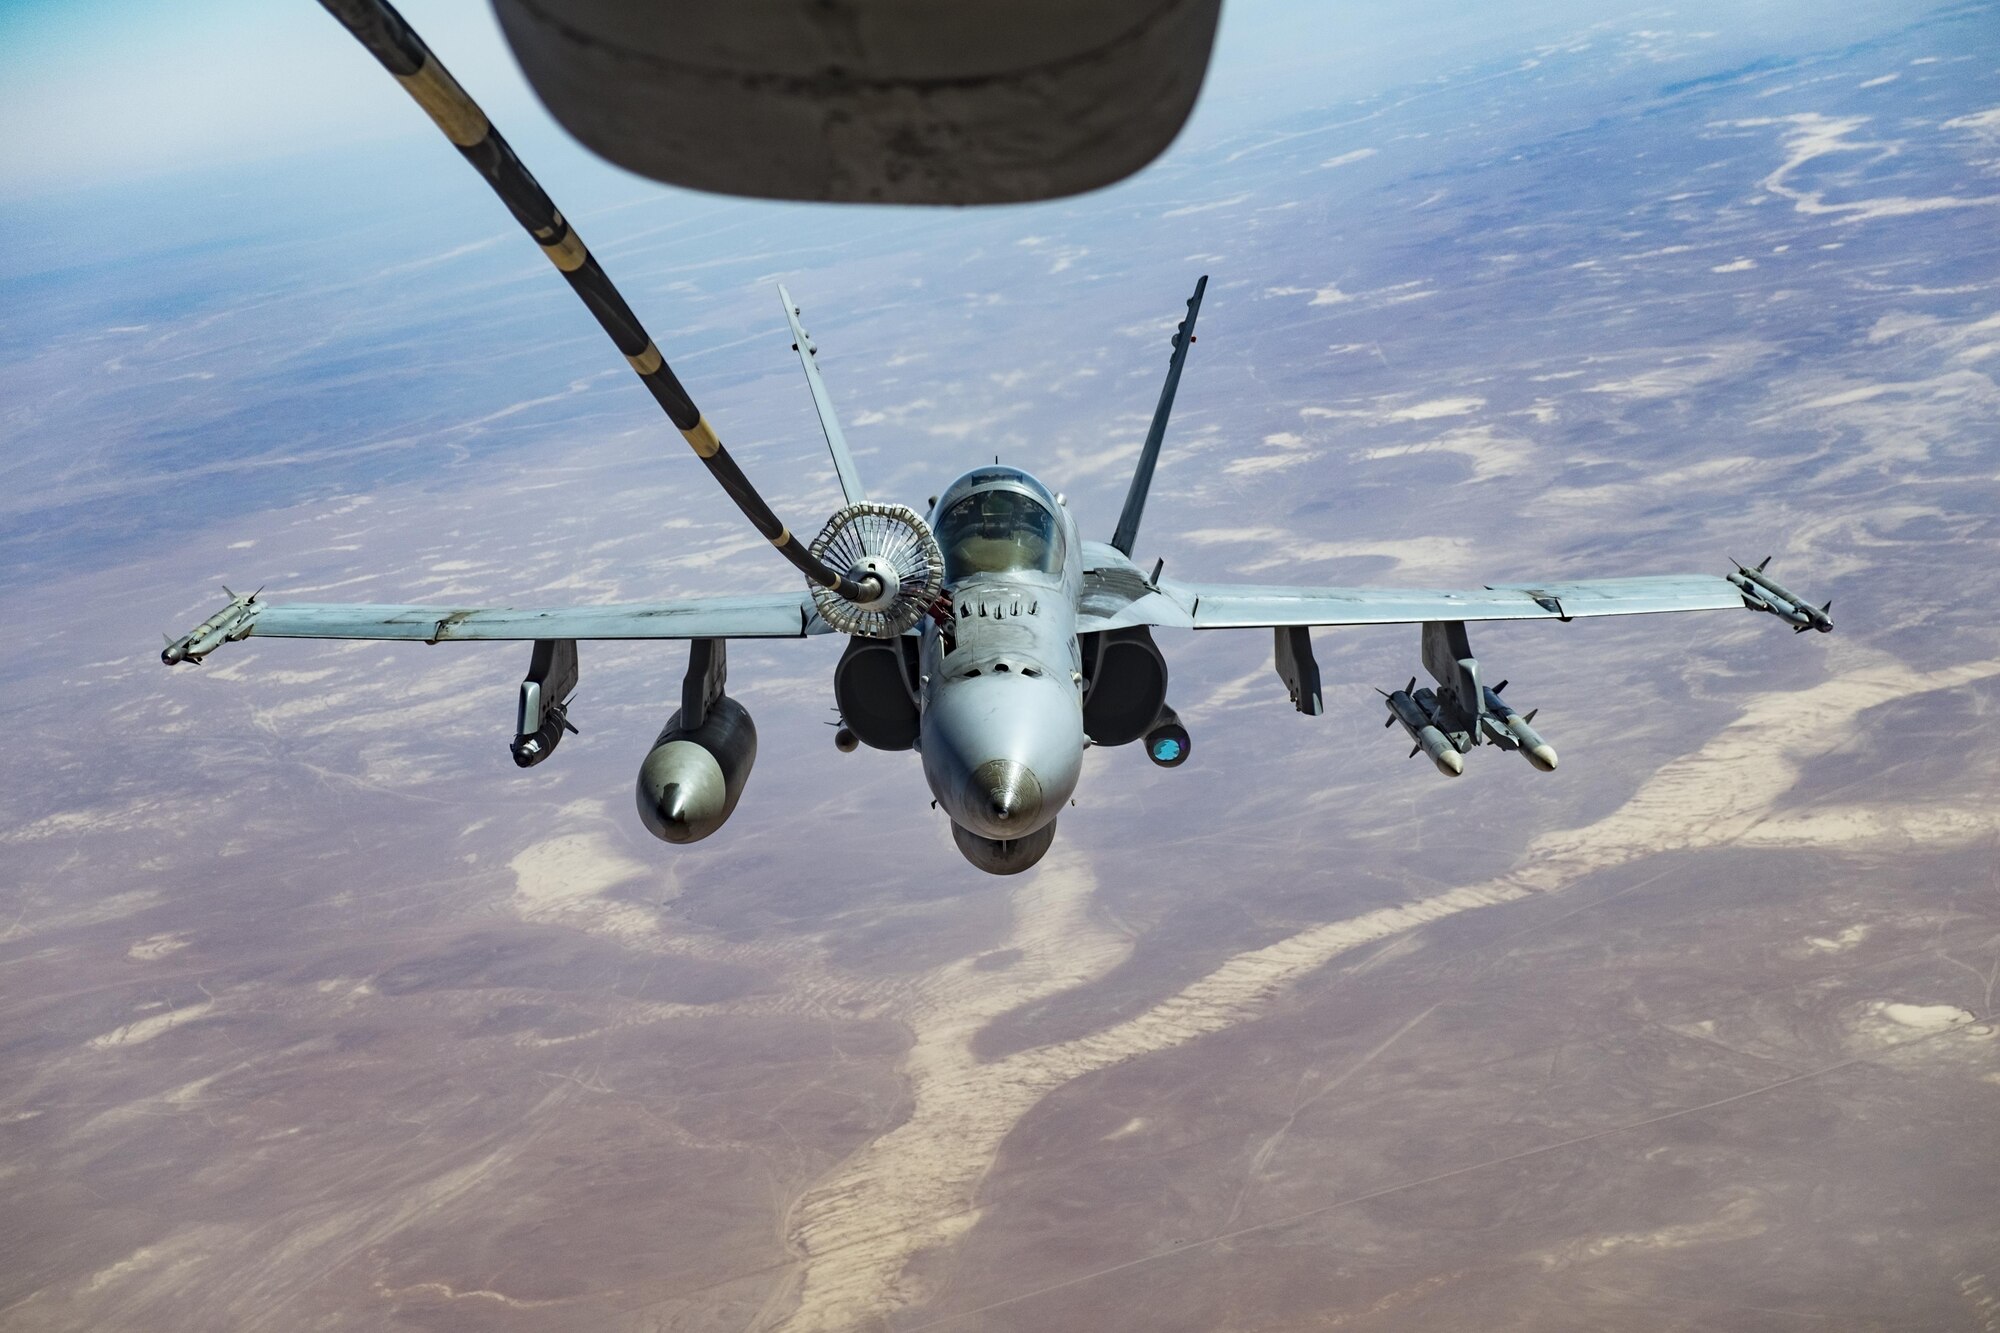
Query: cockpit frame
(998, 520)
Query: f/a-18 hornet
(986, 634)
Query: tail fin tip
(1127, 533)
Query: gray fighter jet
(987, 634)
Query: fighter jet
(987, 633)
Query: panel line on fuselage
(1001, 727)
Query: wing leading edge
(1220, 606)
(1117, 595)
(752, 616)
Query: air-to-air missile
(228, 625)
(1761, 592)
(1406, 707)
(1510, 730)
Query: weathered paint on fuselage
(1002, 711)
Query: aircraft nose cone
(1007, 792)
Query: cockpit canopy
(998, 520)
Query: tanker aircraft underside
(986, 634)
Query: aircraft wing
(750, 616)
(1221, 606)
(1117, 597)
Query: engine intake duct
(1125, 687)
(874, 686)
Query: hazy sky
(91, 90)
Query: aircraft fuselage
(1000, 690)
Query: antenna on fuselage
(1149, 454)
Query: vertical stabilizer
(1149, 454)
(836, 439)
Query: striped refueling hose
(396, 46)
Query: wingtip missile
(232, 622)
(1761, 592)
